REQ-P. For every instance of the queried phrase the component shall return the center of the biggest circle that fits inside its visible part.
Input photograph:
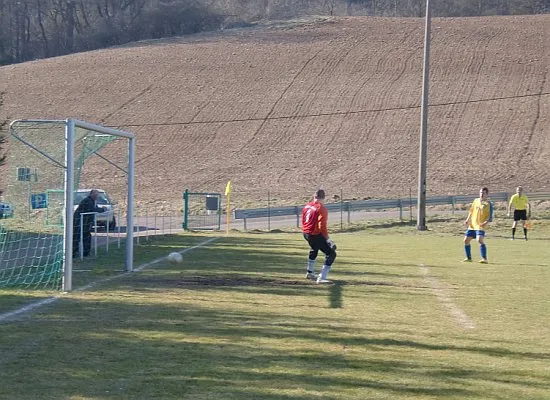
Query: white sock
(311, 265)
(324, 272)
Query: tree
(33, 29)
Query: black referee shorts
(520, 215)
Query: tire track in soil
(126, 103)
(389, 60)
(201, 106)
(139, 94)
(386, 89)
(455, 112)
(309, 95)
(474, 66)
(534, 124)
(476, 69)
(276, 102)
(518, 158)
(336, 59)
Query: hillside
(330, 102)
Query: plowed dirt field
(332, 102)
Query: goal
(46, 166)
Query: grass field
(404, 319)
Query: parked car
(106, 218)
(6, 210)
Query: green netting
(87, 144)
(30, 259)
(31, 241)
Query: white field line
(445, 300)
(52, 299)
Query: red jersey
(314, 219)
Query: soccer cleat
(321, 281)
(525, 237)
(467, 260)
(311, 275)
(483, 261)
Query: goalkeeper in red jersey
(315, 231)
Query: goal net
(46, 168)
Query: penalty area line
(445, 300)
(49, 300)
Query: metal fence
(349, 207)
(149, 223)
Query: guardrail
(382, 204)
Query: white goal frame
(70, 128)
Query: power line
(336, 113)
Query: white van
(103, 201)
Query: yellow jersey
(480, 211)
(519, 202)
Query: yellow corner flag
(228, 188)
(227, 193)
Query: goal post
(70, 129)
(45, 164)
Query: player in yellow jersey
(480, 214)
(520, 203)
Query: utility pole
(421, 219)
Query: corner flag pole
(228, 194)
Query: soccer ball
(174, 258)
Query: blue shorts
(473, 233)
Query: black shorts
(520, 215)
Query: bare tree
(31, 29)
(329, 6)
